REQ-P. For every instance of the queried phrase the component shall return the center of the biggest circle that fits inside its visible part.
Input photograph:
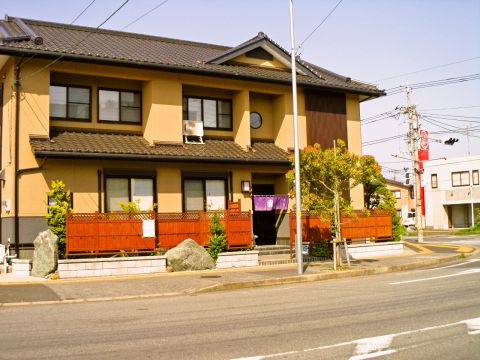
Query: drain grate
(210, 276)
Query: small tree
(59, 202)
(217, 242)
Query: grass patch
(470, 230)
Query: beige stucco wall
(80, 176)
(260, 62)
(404, 196)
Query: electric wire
(318, 26)
(399, 89)
(145, 14)
(83, 11)
(429, 68)
(78, 43)
(452, 108)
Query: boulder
(45, 255)
(188, 255)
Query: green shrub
(59, 202)
(131, 207)
(218, 240)
(322, 249)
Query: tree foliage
(217, 241)
(59, 205)
(324, 170)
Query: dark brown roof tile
(90, 44)
(73, 144)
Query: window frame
(119, 121)
(432, 176)
(217, 107)
(395, 192)
(460, 174)
(129, 175)
(477, 177)
(204, 176)
(67, 118)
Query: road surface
(423, 314)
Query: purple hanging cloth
(263, 203)
(281, 202)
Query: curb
(330, 275)
(325, 276)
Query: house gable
(260, 51)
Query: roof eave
(160, 158)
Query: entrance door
(264, 221)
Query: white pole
(298, 197)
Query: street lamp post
(298, 198)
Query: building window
(70, 103)
(434, 181)
(214, 113)
(124, 188)
(120, 106)
(461, 178)
(475, 177)
(396, 193)
(204, 192)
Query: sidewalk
(17, 291)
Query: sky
(368, 40)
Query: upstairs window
(434, 181)
(70, 103)
(214, 113)
(475, 177)
(120, 106)
(397, 194)
(461, 178)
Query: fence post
(97, 233)
(227, 226)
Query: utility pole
(413, 137)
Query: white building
(452, 192)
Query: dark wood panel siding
(326, 114)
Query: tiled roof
(76, 144)
(90, 44)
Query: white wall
(438, 200)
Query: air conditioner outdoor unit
(192, 128)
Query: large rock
(45, 255)
(188, 255)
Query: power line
(76, 18)
(83, 11)
(112, 14)
(324, 19)
(453, 108)
(78, 43)
(381, 140)
(453, 116)
(145, 14)
(399, 89)
(429, 68)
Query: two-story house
(403, 194)
(452, 192)
(104, 112)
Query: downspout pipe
(17, 137)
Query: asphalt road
(422, 314)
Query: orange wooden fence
(173, 228)
(107, 232)
(114, 232)
(376, 226)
